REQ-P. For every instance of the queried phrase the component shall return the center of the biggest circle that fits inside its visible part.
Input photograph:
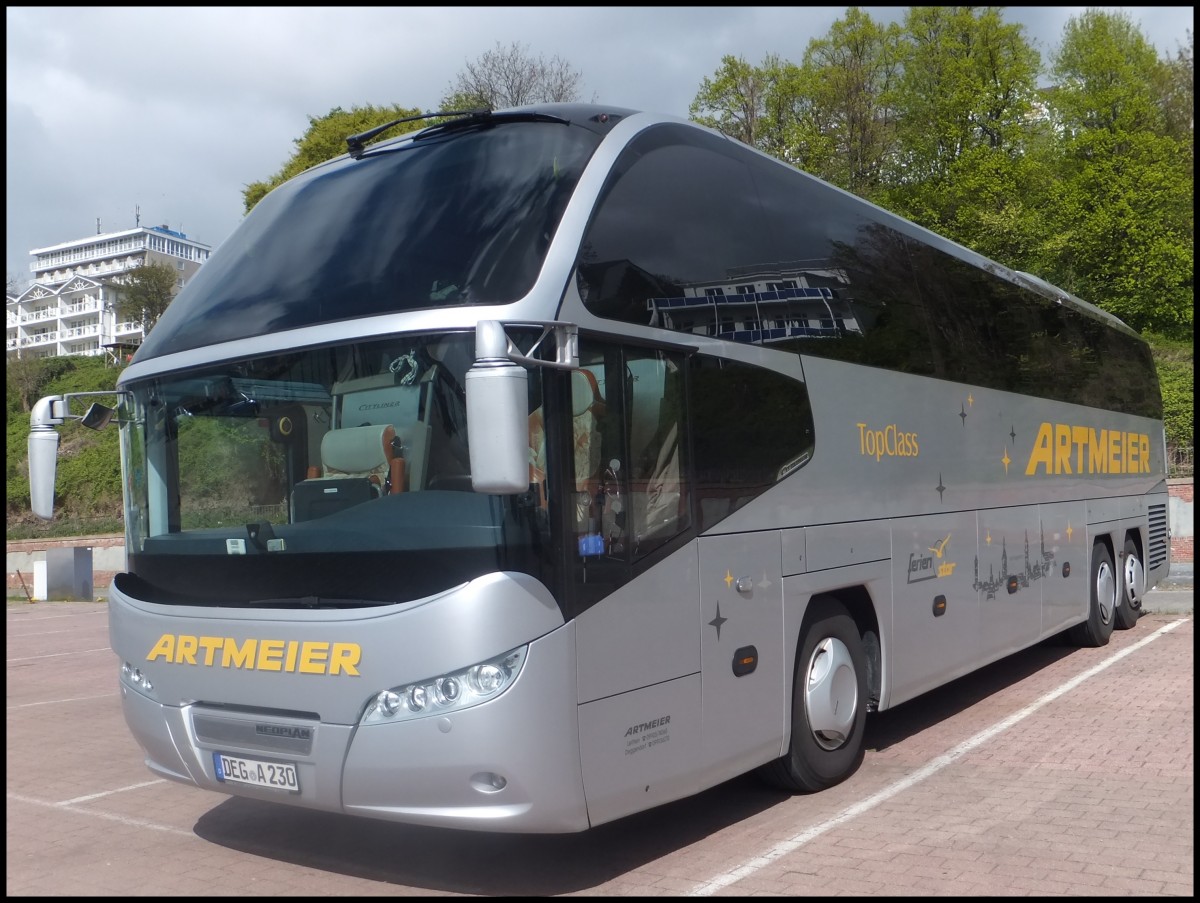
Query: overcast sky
(174, 111)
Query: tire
(1133, 584)
(829, 704)
(1102, 606)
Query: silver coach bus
(546, 465)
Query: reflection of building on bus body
(785, 301)
(594, 470)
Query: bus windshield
(330, 476)
(463, 218)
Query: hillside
(88, 485)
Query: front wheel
(1102, 604)
(1133, 584)
(829, 704)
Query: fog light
(488, 782)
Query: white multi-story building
(70, 308)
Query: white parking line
(27, 705)
(96, 796)
(60, 632)
(108, 816)
(34, 658)
(794, 843)
(27, 619)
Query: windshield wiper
(356, 143)
(317, 602)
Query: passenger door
(742, 651)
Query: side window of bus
(629, 440)
(658, 491)
(751, 427)
(679, 213)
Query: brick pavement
(1088, 792)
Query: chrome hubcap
(831, 693)
(1106, 592)
(1135, 581)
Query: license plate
(273, 775)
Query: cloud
(174, 110)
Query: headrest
(358, 449)
(585, 392)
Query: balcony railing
(41, 338)
(90, 329)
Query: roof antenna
(137, 216)
(97, 225)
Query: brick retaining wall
(108, 554)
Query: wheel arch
(1135, 534)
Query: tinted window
(461, 219)
(700, 235)
(750, 428)
(677, 213)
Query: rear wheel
(829, 704)
(1133, 584)
(1098, 627)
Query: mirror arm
(492, 345)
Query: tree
(734, 101)
(1176, 91)
(26, 377)
(326, 139)
(1106, 73)
(503, 77)
(13, 284)
(146, 293)
(1124, 222)
(969, 80)
(510, 77)
(845, 130)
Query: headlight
(447, 693)
(135, 678)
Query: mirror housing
(43, 454)
(497, 416)
(45, 418)
(497, 389)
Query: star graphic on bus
(718, 621)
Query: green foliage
(1106, 72)
(845, 125)
(1124, 220)
(1175, 360)
(734, 101)
(326, 139)
(967, 80)
(88, 484)
(145, 294)
(27, 377)
(1176, 93)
